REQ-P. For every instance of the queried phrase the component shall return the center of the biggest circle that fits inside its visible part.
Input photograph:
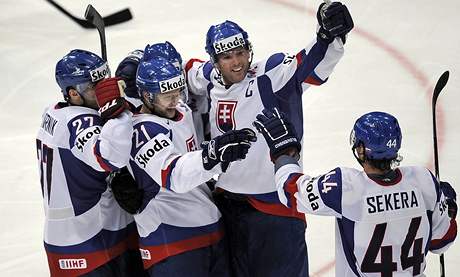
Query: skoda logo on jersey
(172, 84)
(228, 43)
(225, 115)
(83, 138)
(144, 157)
(100, 72)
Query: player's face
(233, 65)
(165, 103)
(85, 95)
(90, 97)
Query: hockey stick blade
(115, 18)
(93, 16)
(440, 84)
(118, 17)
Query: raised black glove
(278, 132)
(231, 146)
(334, 20)
(451, 198)
(125, 190)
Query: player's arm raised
(313, 64)
(321, 195)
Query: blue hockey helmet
(127, 71)
(157, 76)
(224, 37)
(165, 50)
(80, 67)
(380, 135)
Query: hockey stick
(94, 18)
(437, 90)
(115, 18)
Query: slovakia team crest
(191, 144)
(225, 115)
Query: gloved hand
(127, 70)
(109, 96)
(231, 146)
(125, 190)
(334, 20)
(451, 198)
(278, 132)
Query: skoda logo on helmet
(229, 43)
(100, 72)
(172, 84)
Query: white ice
(393, 59)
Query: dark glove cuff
(284, 160)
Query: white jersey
(274, 82)
(84, 226)
(382, 229)
(177, 214)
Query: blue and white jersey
(382, 229)
(278, 81)
(84, 226)
(177, 213)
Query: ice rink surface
(393, 58)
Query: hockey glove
(334, 20)
(127, 71)
(109, 96)
(231, 146)
(125, 190)
(278, 132)
(451, 198)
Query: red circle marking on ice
(405, 63)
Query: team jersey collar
(389, 179)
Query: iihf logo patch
(225, 115)
(145, 254)
(72, 263)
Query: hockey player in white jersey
(86, 232)
(238, 89)
(180, 230)
(388, 217)
(127, 71)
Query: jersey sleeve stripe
(105, 164)
(347, 230)
(166, 174)
(313, 79)
(190, 63)
(290, 188)
(449, 237)
(307, 62)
